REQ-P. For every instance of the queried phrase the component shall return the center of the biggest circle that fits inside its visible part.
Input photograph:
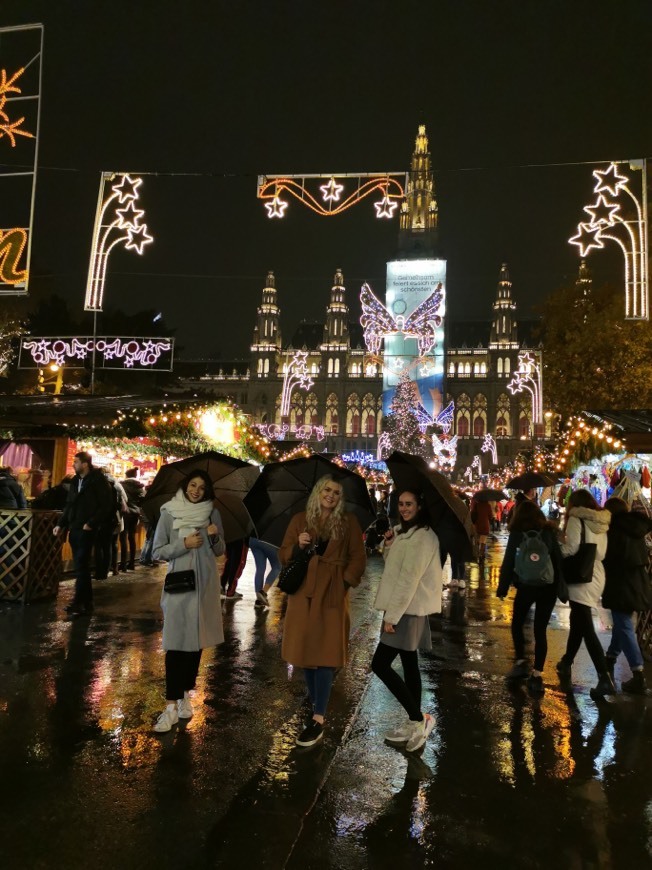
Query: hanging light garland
(583, 441)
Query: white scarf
(188, 516)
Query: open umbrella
(490, 495)
(283, 488)
(449, 516)
(232, 479)
(531, 480)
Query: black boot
(611, 665)
(635, 686)
(605, 687)
(564, 668)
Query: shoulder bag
(578, 568)
(179, 581)
(292, 576)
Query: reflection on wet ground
(505, 780)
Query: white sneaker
(461, 584)
(166, 720)
(453, 584)
(401, 734)
(420, 733)
(261, 599)
(236, 596)
(184, 708)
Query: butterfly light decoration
(444, 419)
(377, 322)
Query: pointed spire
(418, 215)
(584, 278)
(338, 280)
(271, 281)
(503, 326)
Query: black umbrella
(283, 488)
(531, 480)
(490, 495)
(232, 479)
(449, 516)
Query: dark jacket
(508, 577)
(627, 587)
(11, 492)
(135, 491)
(91, 505)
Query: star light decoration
(114, 226)
(133, 352)
(489, 446)
(271, 189)
(386, 207)
(527, 376)
(607, 222)
(8, 128)
(331, 191)
(296, 375)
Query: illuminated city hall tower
(412, 279)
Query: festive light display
(477, 463)
(384, 446)
(358, 457)
(296, 375)
(114, 226)
(131, 352)
(584, 440)
(445, 451)
(527, 376)
(10, 128)
(270, 189)
(12, 245)
(378, 323)
(489, 446)
(279, 433)
(401, 424)
(444, 419)
(608, 221)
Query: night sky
(211, 94)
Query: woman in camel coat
(317, 622)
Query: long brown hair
(528, 515)
(580, 498)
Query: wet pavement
(505, 780)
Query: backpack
(533, 565)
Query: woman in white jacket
(410, 589)
(584, 511)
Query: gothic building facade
(342, 408)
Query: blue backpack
(533, 565)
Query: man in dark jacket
(135, 492)
(11, 492)
(89, 504)
(627, 587)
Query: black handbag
(179, 581)
(578, 568)
(292, 576)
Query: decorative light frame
(489, 446)
(114, 226)
(384, 446)
(445, 451)
(16, 241)
(271, 187)
(378, 323)
(296, 375)
(136, 353)
(527, 376)
(629, 233)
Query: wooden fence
(30, 555)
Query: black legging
(582, 629)
(408, 692)
(180, 672)
(543, 599)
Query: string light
(489, 446)
(296, 375)
(527, 376)
(387, 183)
(12, 245)
(8, 128)
(133, 352)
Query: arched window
(499, 366)
(311, 417)
(507, 366)
(479, 415)
(332, 417)
(503, 428)
(336, 367)
(266, 368)
(462, 424)
(463, 415)
(476, 368)
(353, 415)
(451, 368)
(260, 366)
(460, 368)
(467, 368)
(483, 368)
(478, 427)
(523, 426)
(371, 370)
(314, 368)
(330, 367)
(368, 415)
(265, 330)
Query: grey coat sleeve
(167, 544)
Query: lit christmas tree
(402, 424)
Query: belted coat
(317, 620)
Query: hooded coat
(596, 525)
(317, 621)
(627, 588)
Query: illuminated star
(332, 190)
(129, 216)
(276, 207)
(138, 238)
(587, 237)
(127, 188)
(129, 362)
(609, 180)
(385, 208)
(602, 212)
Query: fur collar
(597, 521)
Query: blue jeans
(623, 639)
(263, 553)
(319, 682)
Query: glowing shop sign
(129, 352)
(114, 226)
(610, 221)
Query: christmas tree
(401, 423)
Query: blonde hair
(334, 525)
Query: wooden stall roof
(634, 426)
(25, 411)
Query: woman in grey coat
(189, 535)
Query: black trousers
(181, 670)
(106, 551)
(128, 536)
(543, 599)
(408, 691)
(582, 629)
(81, 544)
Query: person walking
(584, 511)
(89, 504)
(410, 589)
(627, 587)
(317, 621)
(527, 519)
(482, 514)
(134, 490)
(189, 535)
(106, 540)
(264, 553)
